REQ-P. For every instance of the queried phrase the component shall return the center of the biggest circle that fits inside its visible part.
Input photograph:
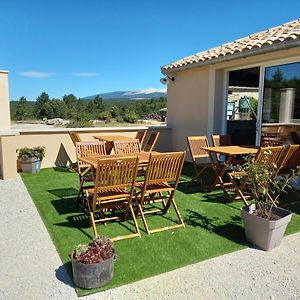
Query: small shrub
(99, 250)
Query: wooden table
(110, 139)
(230, 153)
(143, 158)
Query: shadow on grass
(63, 193)
(231, 230)
(79, 222)
(63, 169)
(63, 274)
(66, 206)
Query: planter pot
(263, 233)
(90, 276)
(30, 165)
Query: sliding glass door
(281, 103)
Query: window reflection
(281, 104)
(282, 93)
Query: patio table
(230, 153)
(110, 139)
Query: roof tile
(275, 35)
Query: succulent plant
(99, 250)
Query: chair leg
(135, 221)
(143, 218)
(177, 212)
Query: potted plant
(93, 264)
(264, 222)
(30, 158)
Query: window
(281, 102)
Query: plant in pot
(93, 264)
(30, 158)
(264, 222)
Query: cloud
(34, 74)
(86, 74)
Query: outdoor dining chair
(159, 186)
(87, 149)
(274, 158)
(140, 135)
(127, 147)
(75, 137)
(150, 144)
(198, 155)
(113, 192)
(219, 140)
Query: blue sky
(93, 46)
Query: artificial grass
(213, 227)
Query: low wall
(60, 150)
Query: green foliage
(79, 124)
(22, 110)
(130, 117)
(42, 107)
(25, 152)
(260, 180)
(105, 115)
(81, 111)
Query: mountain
(134, 95)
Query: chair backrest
(164, 167)
(116, 173)
(140, 135)
(86, 149)
(75, 137)
(291, 159)
(294, 137)
(221, 140)
(272, 158)
(127, 147)
(151, 141)
(195, 143)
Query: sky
(86, 47)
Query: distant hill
(132, 95)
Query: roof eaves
(257, 49)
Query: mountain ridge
(134, 95)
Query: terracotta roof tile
(276, 35)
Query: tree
(22, 110)
(42, 106)
(60, 109)
(95, 107)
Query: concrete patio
(32, 269)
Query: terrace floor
(32, 269)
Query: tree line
(82, 111)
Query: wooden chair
(127, 147)
(86, 149)
(239, 179)
(294, 137)
(160, 184)
(150, 144)
(114, 189)
(195, 143)
(75, 137)
(140, 135)
(225, 140)
(221, 140)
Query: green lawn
(213, 227)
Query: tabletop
(143, 157)
(112, 138)
(232, 150)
